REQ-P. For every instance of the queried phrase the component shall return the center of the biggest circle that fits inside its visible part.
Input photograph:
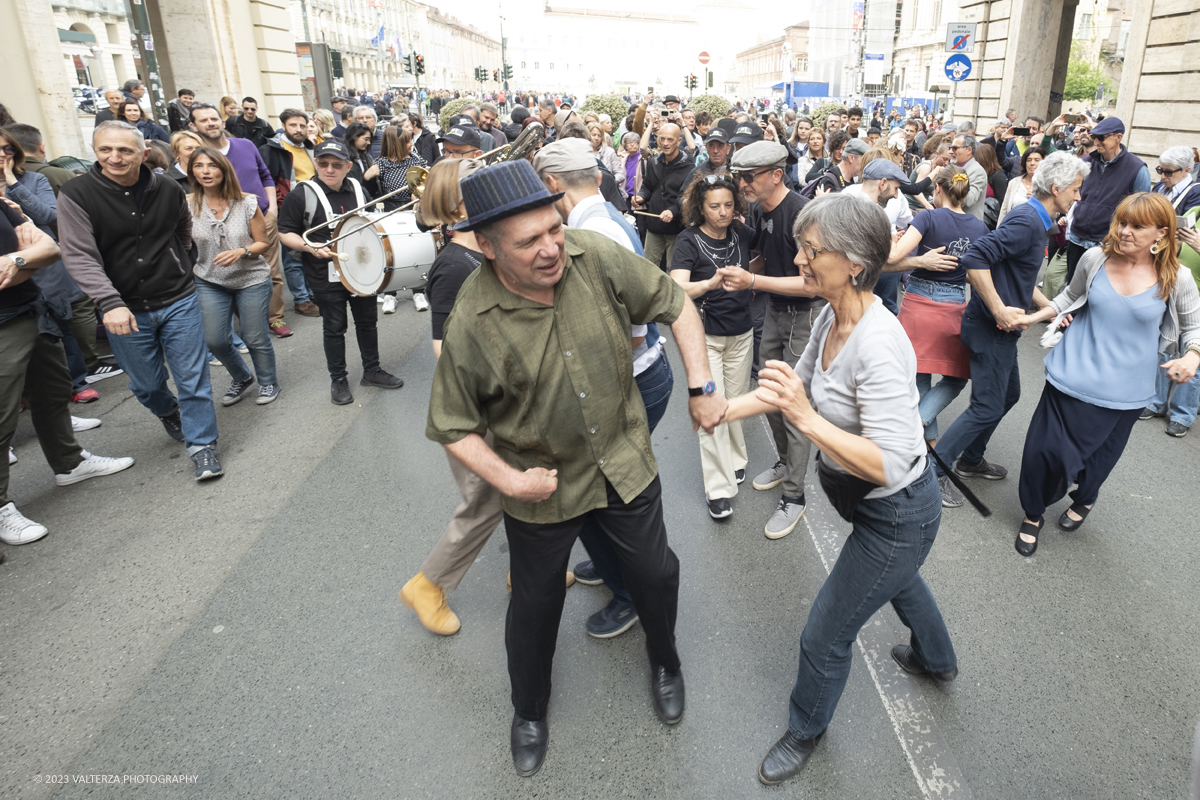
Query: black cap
(746, 133)
(332, 147)
(670, 99)
(716, 134)
(462, 134)
(519, 114)
(728, 125)
(461, 120)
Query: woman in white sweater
(1021, 190)
(860, 370)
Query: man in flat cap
(538, 352)
(788, 316)
(569, 167)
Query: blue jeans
(934, 399)
(293, 273)
(886, 288)
(216, 309)
(995, 388)
(655, 384)
(171, 337)
(879, 563)
(1184, 398)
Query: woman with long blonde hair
(1129, 299)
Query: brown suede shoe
(429, 601)
(308, 309)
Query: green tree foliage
(610, 104)
(712, 103)
(452, 108)
(1083, 75)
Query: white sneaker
(420, 302)
(389, 304)
(79, 424)
(91, 467)
(15, 529)
(12, 457)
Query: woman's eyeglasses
(811, 251)
(1167, 172)
(8, 150)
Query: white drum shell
(388, 254)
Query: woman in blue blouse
(1129, 299)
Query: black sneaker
(340, 392)
(103, 371)
(739, 475)
(236, 391)
(207, 464)
(984, 469)
(1148, 413)
(381, 380)
(173, 425)
(612, 620)
(720, 508)
(1176, 429)
(585, 573)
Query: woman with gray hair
(860, 371)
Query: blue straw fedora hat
(501, 191)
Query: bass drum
(386, 254)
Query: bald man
(665, 177)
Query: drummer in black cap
(331, 193)
(461, 141)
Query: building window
(937, 14)
(535, 65)
(1085, 26)
(522, 65)
(551, 65)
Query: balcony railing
(114, 7)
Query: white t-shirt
(897, 210)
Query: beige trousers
(724, 450)
(472, 524)
(656, 245)
(275, 313)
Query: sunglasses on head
(714, 179)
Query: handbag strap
(983, 510)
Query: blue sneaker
(585, 573)
(612, 620)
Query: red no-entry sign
(704, 57)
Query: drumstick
(648, 214)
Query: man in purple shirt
(254, 178)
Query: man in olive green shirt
(537, 350)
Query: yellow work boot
(429, 601)
(570, 580)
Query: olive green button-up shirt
(555, 384)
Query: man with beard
(789, 315)
(248, 125)
(488, 122)
(289, 160)
(255, 178)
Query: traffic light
(508, 72)
(408, 63)
(420, 65)
(496, 75)
(335, 63)
(477, 74)
(710, 80)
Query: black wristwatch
(707, 388)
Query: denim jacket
(1183, 306)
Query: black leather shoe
(381, 379)
(339, 392)
(786, 758)
(907, 659)
(530, 738)
(666, 688)
(1029, 529)
(1068, 524)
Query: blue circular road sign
(958, 67)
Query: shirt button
(601, 462)
(593, 430)
(583, 394)
(127, 194)
(568, 353)
(139, 261)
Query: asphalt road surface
(246, 632)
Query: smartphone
(1183, 222)
(1072, 119)
(1020, 132)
